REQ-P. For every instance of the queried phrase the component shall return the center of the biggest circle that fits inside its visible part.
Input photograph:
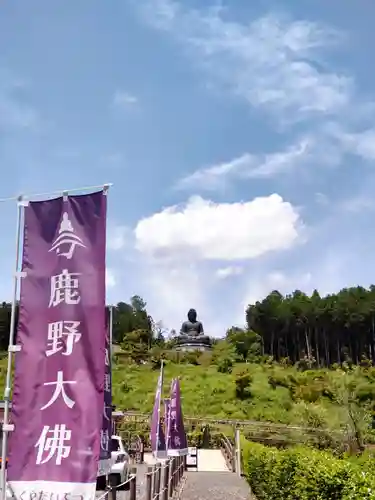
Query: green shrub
(278, 381)
(243, 385)
(205, 359)
(196, 438)
(124, 386)
(306, 474)
(225, 365)
(192, 357)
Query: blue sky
(239, 138)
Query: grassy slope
(211, 394)
(208, 393)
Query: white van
(118, 465)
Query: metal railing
(229, 451)
(164, 480)
(112, 488)
(129, 416)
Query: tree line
(321, 330)
(325, 330)
(132, 324)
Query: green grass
(209, 393)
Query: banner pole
(110, 330)
(238, 452)
(168, 423)
(110, 363)
(11, 349)
(58, 192)
(161, 391)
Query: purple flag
(59, 373)
(176, 437)
(167, 403)
(157, 433)
(104, 466)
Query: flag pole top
(64, 192)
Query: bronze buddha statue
(192, 333)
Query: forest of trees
(132, 325)
(331, 329)
(323, 330)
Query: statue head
(192, 315)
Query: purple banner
(167, 403)
(176, 437)
(59, 373)
(157, 433)
(104, 466)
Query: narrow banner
(59, 373)
(176, 438)
(157, 433)
(167, 403)
(104, 466)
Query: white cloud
(118, 237)
(214, 177)
(281, 67)
(250, 166)
(360, 203)
(220, 231)
(172, 290)
(361, 144)
(226, 272)
(278, 65)
(272, 62)
(124, 99)
(187, 252)
(321, 199)
(110, 278)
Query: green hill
(326, 400)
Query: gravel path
(215, 486)
(195, 486)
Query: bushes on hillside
(243, 385)
(225, 365)
(305, 474)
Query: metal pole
(59, 192)
(133, 484)
(11, 349)
(165, 495)
(168, 425)
(110, 364)
(171, 476)
(157, 481)
(149, 483)
(110, 331)
(238, 452)
(113, 487)
(161, 390)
